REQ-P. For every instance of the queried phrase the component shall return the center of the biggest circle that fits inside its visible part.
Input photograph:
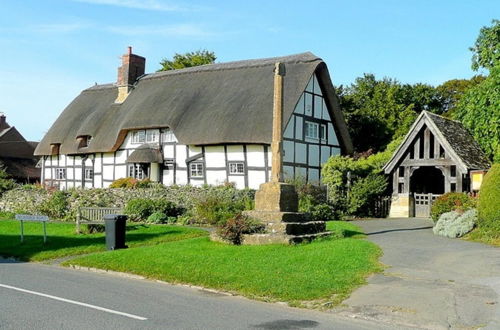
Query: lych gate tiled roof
(461, 141)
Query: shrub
(5, 215)
(234, 228)
(142, 208)
(56, 205)
(157, 217)
(5, 182)
(454, 224)
(451, 201)
(489, 201)
(130, 183)
(363, 194)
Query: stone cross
(277, 142)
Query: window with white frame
(236, 168)
(60, 173)
(312, 130)
(89, 174)
(167, 135)
(137, 171)
(322, 132)
(196, 170)
(144, 136)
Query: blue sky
(50, 50)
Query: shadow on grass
(61, 246)
(351, 233)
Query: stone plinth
(276, 206)
(276, 196)
(402, 206)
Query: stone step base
(275, 216)
(261, 239)
(296, 228)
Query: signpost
(33, 218)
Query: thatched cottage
(203, 125)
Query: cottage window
(151, 136)
(167, 135)
(60, 173)
(84, 141)
(139, 137)
(137, 171)
(322, 132)
(89, 174)
(236, 168)
(196, 170)
(312, 130)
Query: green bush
(56, 205)
(157, 217)
(130, 183)
(234, 228)
(489, 202)
(363, 194)
(5, 215)
(454, 224)
(451, 201)
(5, 182)
(142, 208)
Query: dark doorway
(427, 180)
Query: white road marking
(74, 302)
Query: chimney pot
(129, 50)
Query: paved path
(36, 296)
(431, 282)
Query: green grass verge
(63, 242)
(323, 271)
(482, 235)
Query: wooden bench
(94, 215)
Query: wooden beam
(406, 188)
(427, 162)
(427, 141)
(416, 148)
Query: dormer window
(84, 141)
(54, 148)
(143, 136)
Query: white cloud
(153, 5)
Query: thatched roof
(209, 104)
(455, 138)
(146, 154)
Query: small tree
(190, 59)
(6, 183)
(486, 50)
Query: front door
(423, 204)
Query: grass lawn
(324, 271)
(62, 240)
(483, 236)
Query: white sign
(28, 217)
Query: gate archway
(426, 184)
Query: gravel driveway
(430, 282)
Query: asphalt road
(431, 282)
(37, 296)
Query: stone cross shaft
(277, 142)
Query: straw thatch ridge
(210, 104)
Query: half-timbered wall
(304, 155)
(309, 139)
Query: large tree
(190, 59)
(486, 50)
(450, 92)
(479, 112)
(378, 111)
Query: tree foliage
(450, 92)
(486, 50)
(6, 183)
(189, 59)
(479, 112)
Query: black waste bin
(115, 231)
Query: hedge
(489, 201)
(33, 201)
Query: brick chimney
(132, 68)
(3, 121)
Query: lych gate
(435, 157)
